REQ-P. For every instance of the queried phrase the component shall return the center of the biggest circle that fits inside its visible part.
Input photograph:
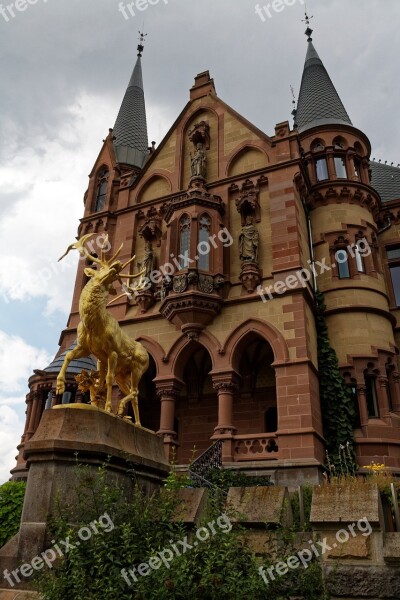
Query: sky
(64, 69)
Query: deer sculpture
(121, 360)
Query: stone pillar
(51, 456)
(28, 413)
(168, 391)
(33, 414)
(362, 403)
(226, 386)
(383, 397)
(396, 391)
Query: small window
(357, 169)
(340, 167)
(393, 253)
(342, 261)
(184, 241)
(354, 396)
(372, 401)
(359, 258)
(395, 276)
(321, 167)
(101, 195)
(204, 243)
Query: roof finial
(308, 31)
(294, 112)
(142, 39)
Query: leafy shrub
(221, 567)
(11, 502)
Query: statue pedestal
(71, 434)
(250, 276)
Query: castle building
(234, 229)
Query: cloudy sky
(64, 69)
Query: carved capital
(383, 381)
(167, 394)
(225, 386)
(396, 377)
(362, 390)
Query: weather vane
(307, 20)
(293, 102)
(142, 39)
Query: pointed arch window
(203, 248)
(101, 191)
(184, 241)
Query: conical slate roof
(386, 180)
(130, 129)
(319, 103)
(75, 366)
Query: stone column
(362, 403)
(28, 413)
(226, 386)
(168, 392)
(383, 397)
(396, 391)
(33, 414)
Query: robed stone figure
(249, 241)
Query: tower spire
(319, 103)
(307, 20)
(130, 129)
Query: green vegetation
(337, 404)
(223, 566)
(11, 502)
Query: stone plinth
(346, 503)
(191, 505)
(72, 434)
(258, 506)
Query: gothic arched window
(101, 190)
(204, 247)
(184, 241)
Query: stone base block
(83, 434)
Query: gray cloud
(55, 51)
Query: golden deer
(120, 359)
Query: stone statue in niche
(249, 241)
(198, 162)
(147, 262)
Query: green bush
(223, 566)
(11, 502)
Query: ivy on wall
(337, 405)
(11, 502)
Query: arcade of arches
(201, 404)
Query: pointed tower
(319, 103)
(343, 210)
(130, 129)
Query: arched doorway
(196, 410)
(255, 405)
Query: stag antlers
(112, 263)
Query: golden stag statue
(120, 359)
